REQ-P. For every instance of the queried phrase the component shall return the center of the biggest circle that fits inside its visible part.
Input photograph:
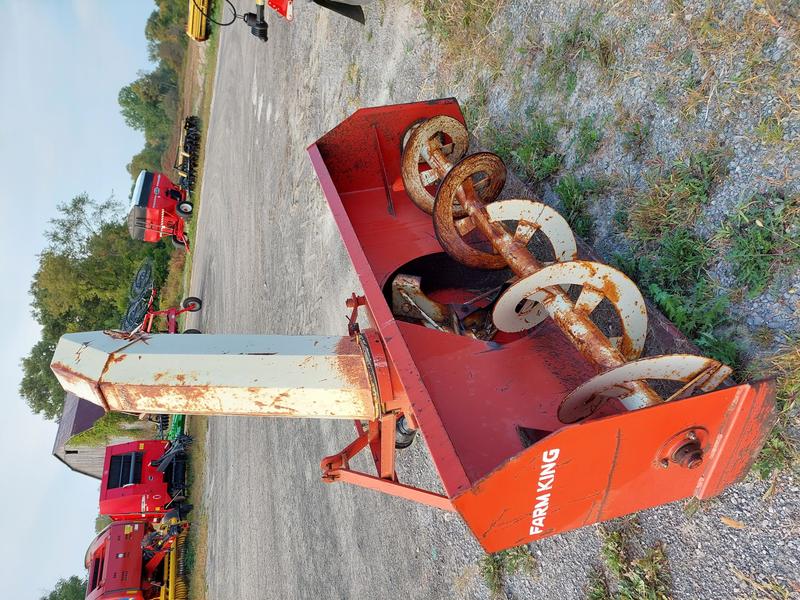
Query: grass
(781, 452)
(770, 130)
(674, 198)
(462, 28)
(644, 578)
(634, 131)
(111, 425)
(673, 271)
(197, 540)
(574, 193)
(587, 139)
(579, 41)
(531, 149)
(495, 567)
(764, 238)
(661, 95)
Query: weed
(597, 588)
(461, 27)
(765, 237)
(781, 450)
(661, 95)
(576, 43)
(574, 194)
(637, 579)
(673, 273)
(532, 149)
(587, 139)
(770, 130)
(494, 567)
(674, 199)
(635, 132)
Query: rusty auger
(481, 232)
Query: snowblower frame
(488, 411)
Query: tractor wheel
(184, 209)
(192, 331)
(178, 244)
(192, 303)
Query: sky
(62, 63)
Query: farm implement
(549, 394)
(159, 209)
(188, 153)
(139, 560)
(199, 17)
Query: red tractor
(138, 560)
(145, 480)
(159, 209)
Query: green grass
(673, 199)
(661, 95)
(644, 578)
(635, 132)
(587, 139)
(764, 237)
(109, 426)
(673, 272)
(495, 567)
(770, 130)
(575, 193)
(531, 149)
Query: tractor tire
(192, 303)
(178, 244)
(192, 331)
(184, 208)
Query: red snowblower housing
(159, 209)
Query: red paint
(146, 499)
(470, 398)
(153, 213)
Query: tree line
(85, 271)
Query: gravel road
(268, 259)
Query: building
(78, 416)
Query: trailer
(144, 480)
(550, 394)
(159, 208)
(137, 560)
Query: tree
(73, 588)
(39, 386)
(81, 284)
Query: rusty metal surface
(422, 136)
(298, 376)
(457, 188)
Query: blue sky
(62, 64)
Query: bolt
(664, 462)
(406, 307)
(691, 435)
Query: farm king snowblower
(515, 353)
(159, 209)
